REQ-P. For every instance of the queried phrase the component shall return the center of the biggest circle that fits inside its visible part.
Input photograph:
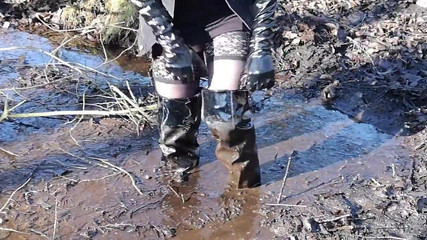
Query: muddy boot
(227, 115)
(179, 121)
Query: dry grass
(113, 18)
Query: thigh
(230, 51)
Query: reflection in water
(322, 137)
(238, 217)
(130, 69)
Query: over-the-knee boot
(179, 121)
(227, 115)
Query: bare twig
(286, 176)
(110, 165)
(180, 196)
(121, 170)
(141, 207)
(44, 52)
(77, 112)
(386, 237)
(84, 67)
(13, 193)
(6, 109)
(39, 233)
(12, 230)
(9, 152)
(393, 168)
(335, 219)
(133, 103)
(36, 86)
(173, 190)
(285, 205)
(118, 56)
(90, 180)
(55, 223)
(121, 27)
(59, 30)
(103, 50)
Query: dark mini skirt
(200, 21)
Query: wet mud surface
(353, 174)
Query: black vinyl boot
(179, 121)
(227, 115)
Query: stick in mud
(76, 113)
(13, 193)
(285, 205)
(55, 223)
(177, 194)
(286, 176)
(110, 165)
(44, 52)
(335, 219)
(9, 152)
(12, 230)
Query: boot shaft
(228, 116)
(179, 121)
(231, 107)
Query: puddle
(94, 200)
(124, 68)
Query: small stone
(6, 25)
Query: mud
(353, 176)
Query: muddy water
(74, 194)
(29, 54)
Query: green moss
(70, 16)
(120, 13)
(112, 16)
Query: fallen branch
(141, 207)
(286, 176)
(77, 113)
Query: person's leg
(179, 120)
(230, 51)
(183, 90)
(226, 111)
